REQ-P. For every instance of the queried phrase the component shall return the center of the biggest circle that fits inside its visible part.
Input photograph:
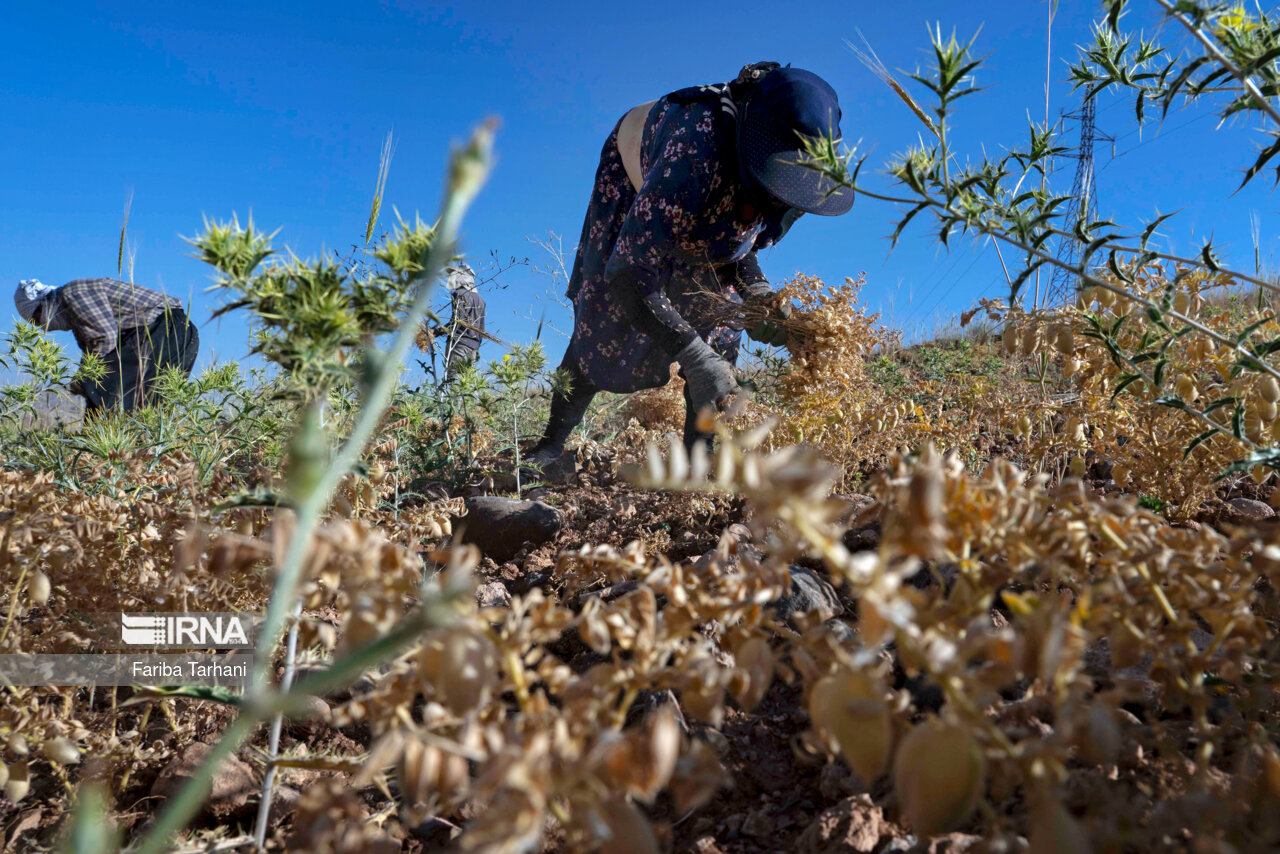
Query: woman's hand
(770, 330)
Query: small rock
(858, 507)
(492, 594)
(808, 593)
(707, 845)
(840, 630)
(759, 823)
(863, 538)
(927, 578)
(233, 783)
(836, 781)
(1096, 662)
(952, 843)
(284, 801)
(1253, 511)
(435, 832)
(502, 527)
(316, 709)
(716, 739)
(853, 826)
(561, 470)
(899, 844)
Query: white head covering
(29, 295)
(461, 277)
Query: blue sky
(210, 109)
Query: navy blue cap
(785, 104)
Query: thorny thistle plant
(993, 199)
(32, 353)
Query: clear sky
(215, 108)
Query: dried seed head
(1010, 339)
(61, 751)
(1269, 388)
(754, 661)
(461, 665)
(1053, 829)
(19, 782)
(1187, 389)
(1065, 340)
(625, 830)
(850, 709)
(39, 588)
(1074, 430)
(938, 775)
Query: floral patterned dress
(688, 230)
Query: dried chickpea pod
(1269, 389)
(1028, 344)
(1010, 339)
(938, 775)
(1187, 389)
(39, 588)
(1065, 340)
(1105, 298)
(1253, 426)
(850, 709)
(1181, 302)
(1120, 474)
(1074, 430)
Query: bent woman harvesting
(688, 188)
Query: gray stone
(1251, 510)
(841, 631)
(492, 594)
(808, 593)
(503, 527)
(233, 782)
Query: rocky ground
(780, 797)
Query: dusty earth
(780, 796)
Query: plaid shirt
(98, 310)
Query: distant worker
(465, 328)
(136, 331)
(688, 188)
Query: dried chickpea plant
(1033, 627)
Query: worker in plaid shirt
(136, 331)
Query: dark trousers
(131, 378)
(568, 410)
